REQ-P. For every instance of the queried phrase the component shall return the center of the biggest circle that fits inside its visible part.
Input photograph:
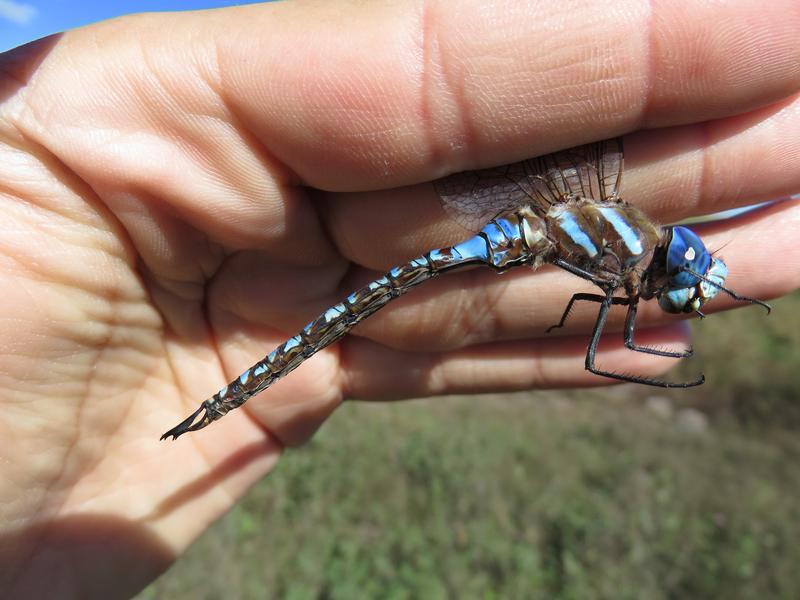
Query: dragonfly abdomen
(323, 331)
(500, 244)
(505, 241)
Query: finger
(375, 372)
(760, 249)
(397, 93)
(294, 407)
(358, 368)
(476, 306)
(201, 131)
(670, 173)
(701, 169)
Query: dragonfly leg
(630, 325)
(582, 273)
(587, 298)
(600, 323)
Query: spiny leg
(630, 325)
(583, 297)
(600, 323)
(582, 273)
(588, 276)
(630, 322)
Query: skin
(181, 192)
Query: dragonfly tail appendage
(189, 424)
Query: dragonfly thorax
(603, 237)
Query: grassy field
(623, 493)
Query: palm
(123, 307)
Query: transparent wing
(591, 171)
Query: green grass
(551, 495)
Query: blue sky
(25, 20)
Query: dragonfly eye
(686, 252)
(691, 299)
(677, 301)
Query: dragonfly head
(693, 276)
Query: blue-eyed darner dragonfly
(563, 209)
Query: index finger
(368, 96)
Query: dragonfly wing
(472, 198)
(591, 171)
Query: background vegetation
(627, 492)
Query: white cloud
(17, 12)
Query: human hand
(182, 192)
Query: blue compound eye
(677, 301)
(686, 251)
(686, 300)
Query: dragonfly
(563, 209)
